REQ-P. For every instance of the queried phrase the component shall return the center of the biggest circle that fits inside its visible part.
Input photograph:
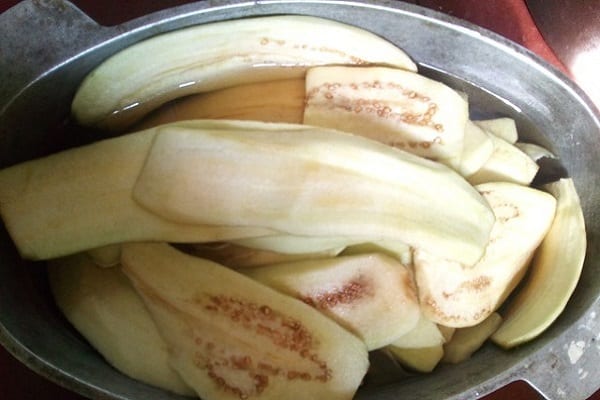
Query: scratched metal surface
(41, 68)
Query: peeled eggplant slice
(420, 349)
(272, 101)
(424, 334)
(419, 359)
(534, 151)
(103, 306)
(105, 256)
(506, 164)
(295, 244)
(231, 337)
(399, 108)
(461, 295)
(309, 181)
(505, 128)
(80, 199)
(478, 148)
(467, 341)
(236, 256)
(555, 271)
(372, 295)
(217, 55)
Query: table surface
(510, 18)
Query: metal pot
(41, 68)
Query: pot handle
(568, 368)
(38, 36)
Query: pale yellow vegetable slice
(506, 164)
(296, 244)
(216, 55)
(420, 349)
(504, 128)
(555, 271)
(477, 150)
(420, 359)
(105, 256)
(272, 101)
(447, 332)
(372, 295)
(309, 181)
(231, 337)
(467, 341)
(80, 199)
(398, 250)
(534, 151)
(236, 256)
(425, 333)
(399, 108)
(460, 295)
(103, 306)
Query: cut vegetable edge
(105, 309)
(371, 295)
(399, 108)
(554, 272)
(467, 341)
(128, 85)
(223, 327)
(356, 162)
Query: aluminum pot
(41, 68)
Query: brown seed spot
(260, 382)
(400, 145)
(506, 211)
(478, 284)
(456, 318)
(348, 293)
(265, 310)
(283, 331)
(241, 362)
(268, 368)
(412, 115)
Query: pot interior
(37, 123)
